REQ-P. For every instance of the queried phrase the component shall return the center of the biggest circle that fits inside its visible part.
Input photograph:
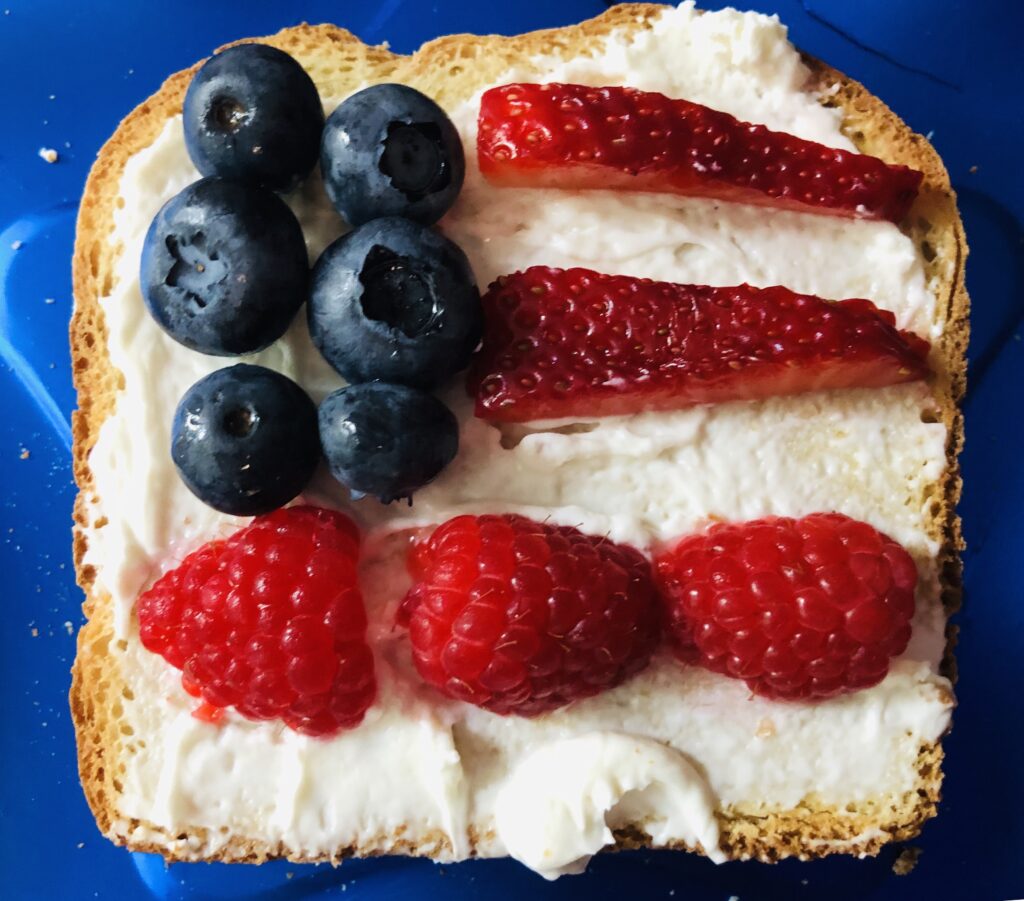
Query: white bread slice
(452, 69)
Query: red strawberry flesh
(573, 136)
(573, 342)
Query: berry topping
(395, 301)
(391, 151)
(577, 343)
(572, 136)
(522, 617)
(252, 114)
(244, 439)
(269, 621)
(805, 608)
(386, 440)
(224, 267)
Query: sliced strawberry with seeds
(573, 136)
(572, 342)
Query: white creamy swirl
(587, 786)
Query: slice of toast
(452, 69)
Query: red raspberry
(270, 621)
(805, 608)
(573, 342)
(523, 617)
(574, 136)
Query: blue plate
(70, 71)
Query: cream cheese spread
(674, 744)
(591, 783)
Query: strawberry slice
(572, 342)
(572, 136)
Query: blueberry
(386, 440)
(244, 439)
(391, 151)
(394, 301)
(253, 114)
(224, 267)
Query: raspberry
(573, 342)
(573, 136)
(522, 617)
(269, 621)
(805, 608)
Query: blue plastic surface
(70, 71)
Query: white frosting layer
(437, 767)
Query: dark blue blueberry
(244, 439)
(394, 301)
(386, 440)
(224, 267)
(253, 114)
(391, 151)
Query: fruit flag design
(512, 615)
(573, 342)
(573, 136)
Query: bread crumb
(49, 300)
(35, 632)
(906, 861)
(53, 96)
(48, 154)
(16, 245)
(973, 169)
(81, 845)
(68, 627)
(25, 454)
(765, 728)
(289, 875)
